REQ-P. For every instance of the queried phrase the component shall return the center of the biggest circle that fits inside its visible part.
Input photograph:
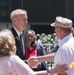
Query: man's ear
(60, 30)
(14, 20)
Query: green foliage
(3, 8)
(3, 13)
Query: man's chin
(24, 29)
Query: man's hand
(60, 69)
(32, 61)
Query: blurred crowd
(49, 41)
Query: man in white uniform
(65, 53)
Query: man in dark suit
(19, 21)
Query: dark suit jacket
(19, 52)
(41, 52)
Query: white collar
(65, 39)
(18, 33)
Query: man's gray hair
(17, 12)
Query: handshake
(33, 61)
(58, 69)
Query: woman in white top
(11, 64)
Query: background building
(40, 12)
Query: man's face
(20, 22)
(57, 31)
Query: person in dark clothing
(41, 52)
(19, 20)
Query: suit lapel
(25, 45)
(16, 39)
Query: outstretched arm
(32, 61)
(48, 58)
(56, 70)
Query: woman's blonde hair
(7, 43)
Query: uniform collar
(66, 38)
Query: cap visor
(53, 24)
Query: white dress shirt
(65, 53)
(13, 65)
(19, 33)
